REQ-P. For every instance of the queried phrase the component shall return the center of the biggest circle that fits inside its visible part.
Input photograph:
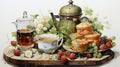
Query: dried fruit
(17, 52)
(108, 40)
(89, 55)
(102, 47)
(108, 45)
(103, 40)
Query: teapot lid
(70, 10)
(25, 18)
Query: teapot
(69, 16)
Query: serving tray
(35, 61)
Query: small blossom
(44, 28)
(40, 26)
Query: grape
(113, 44)
(95, 54)
(91, 50)
(95, 51)
(95, 48)
(94, 44)
(103, 40)
(105, 37)
(113, 38)
(99, 55)
(90, 46)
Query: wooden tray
(8, 56)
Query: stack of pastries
(84, 36)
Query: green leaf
(68, 42)
(88, 11)
(40, 51)
(35, 16)
(53, 30)
(51, 50)
(95, 19)
(14, 34)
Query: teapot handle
(54, 16)
(57, 16)
(85, 19)
(61, 42)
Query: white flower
(28, 54)
(39, 31)
(40, 26)
(44, 28)
(36, 22)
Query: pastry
(84, 28)
(79, 45)
(93, 37)
(78, 36)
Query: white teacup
(49, 42)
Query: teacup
(49, 42)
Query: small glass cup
(25, 31)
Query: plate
(69, 49)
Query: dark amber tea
(25, 37)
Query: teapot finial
(25, 14)
(70, 2)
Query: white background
(11, 9)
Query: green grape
(99, 55)
(95, 54)
(113, 37)
(93, 44)
(106, 37)
(113, 44)
(90, 46)
(91, 50)
(96, 51)
(95, 48)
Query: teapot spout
(53, 17)
(54, 20)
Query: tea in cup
(49, 42)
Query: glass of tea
(25, 37)
(25, 31)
